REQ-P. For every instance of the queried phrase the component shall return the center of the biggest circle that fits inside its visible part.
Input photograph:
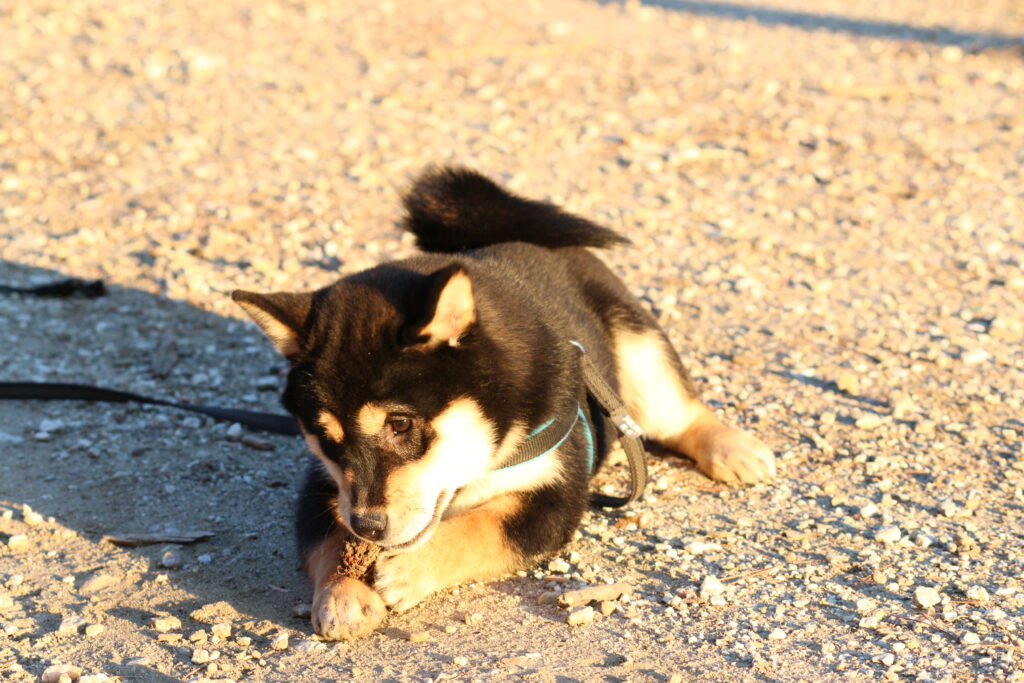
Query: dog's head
(385, 365)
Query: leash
(552, 433)
(540, 441)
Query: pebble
(777, 634)
(579, 616)
(926, 596)
(849, 383)
(279, 641)
(559, 566)
(710, 588)
(869, 422)
(221, 630)
(71, 624)
(417, 636)
(171, 558)
(6, 602)
(18, 542)
(201, 656)
(978, 594)
(888, 534)
(970, 638)
(163, 624)
(96, 583)
(30, 516)
(58, 673)
(93, 630)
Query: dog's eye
(399, 424)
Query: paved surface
(826, 200)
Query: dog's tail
(453, 209)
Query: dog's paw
(735, 457)
(346, 609)
(403, 581)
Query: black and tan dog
(414, 382)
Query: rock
(58, 673)
(171, 558)
(710, 588)
(163, 624)
(30, 516)
(978, 594)
(93, 630)
(888, 534)
(926, 596)
(869, 422)
(279, 642)
(559, 566)
(777, 634)
(849, 383)
(200, 656)
(96, 583)
(6, 602)
(18, 542)
(417, 636)
(579, 616)
(970, 638)
(222, 630)
(70, 625)
(869, 510)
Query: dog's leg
(472, 546)
(343, 607)
(660, 397)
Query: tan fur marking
(468, 547)
(651, 388)
(371, 418)
(454, 313)
(343, 480)
(332, 427)
(280, 335)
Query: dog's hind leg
(660, 397)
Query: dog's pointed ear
(281, 316)
(449, 308)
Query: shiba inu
(417, 381)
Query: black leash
(268, 422)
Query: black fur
(451, 210)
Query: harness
(540, 441)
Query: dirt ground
(827, 208)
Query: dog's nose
(370, 525)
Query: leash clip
(626, 425)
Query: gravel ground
(826, 199)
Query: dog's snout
(369, 525)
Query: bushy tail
(453, 209)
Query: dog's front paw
(346, 608)
(403, 581)
(733, 456)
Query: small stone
(58, 673)
(924, 427)
(221, 630)
(6, 602)
(96, 583)
(607, 607)
(30, 516)
(711, 587)
(171, 558)
(92, 630)
(869, 510)
(234, 432)
(69, 625)
(417, 636)
(451, 628)
(699, 547)
(970, 638)
(473, 619)
(579, 616)
(978, 594)
(310, 646)
(869, 422)
(302, 611)
(975, 356)
(777, 634)
(460, 661)
(926, 596)
(873, 620)
(167, 623)
(559, 566)
(243, 641)
(888, 534)
(201, 656)
(903, 406)
(950, 509)
(17, 542)
(168, 637)
(848, 383)
(279, 642)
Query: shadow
(832, 387)
(97, 469)
(836, 23)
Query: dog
(415, 381)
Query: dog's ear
(280, 315)
(448, 308)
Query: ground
(827, 209)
